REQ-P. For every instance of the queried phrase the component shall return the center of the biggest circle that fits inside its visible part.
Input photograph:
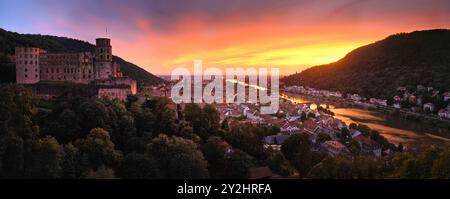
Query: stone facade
(27, 65)
(35, 66)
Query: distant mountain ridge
(377, 69)
(9, 40)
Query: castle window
(107, 56)
(35, 70)
(52, 71)
(26, 62)
(57, 70)
(101, 56)
(36, 76)
(35, 63)
(26, 75)
(46, 70)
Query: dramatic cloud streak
(162, 34)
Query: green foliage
(238, 165)
(78, 137)
(98, 149)
(345, 168)
(178, 157)
(214, 150)
(297, 150)
(101, 173)
(48, 158)
(139, 166)
(278, 163)
(323, 137)
(441, 166)
(247, 138)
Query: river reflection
(396, 130)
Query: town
(327, 133)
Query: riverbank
(394, 127)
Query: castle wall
(71, 67)
(27, 65)
(114, 93)
(97, 72)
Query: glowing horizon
(291, 35)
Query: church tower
(103, 58)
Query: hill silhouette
(377, 69)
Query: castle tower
(103, 59)
(27, 65)
(103, 49)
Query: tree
(65, 127)
(48, 158)
(214, 151)
(13, 157)
(295, 144)
(164, 115)
(126, 130)
(238, 165)
(99, 149)
(70, 163)
(345, 135)
(246, 137)
(101, 173)
(353, 126)
(278, 163)
(17, 109)
(441, 166)
(375, 136)
(177, 157)
(297, 149)
(342, 167)
(136, 166)
(322, 137)
(303, 117)
(94, 114)
(224, 125)
(211, 117)
(274, 129)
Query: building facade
(35, 66)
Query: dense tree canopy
(77, 137)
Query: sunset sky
(160, 35)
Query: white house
(446, 96)
(429, 106)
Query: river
(396, 130)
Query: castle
(44, 71)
